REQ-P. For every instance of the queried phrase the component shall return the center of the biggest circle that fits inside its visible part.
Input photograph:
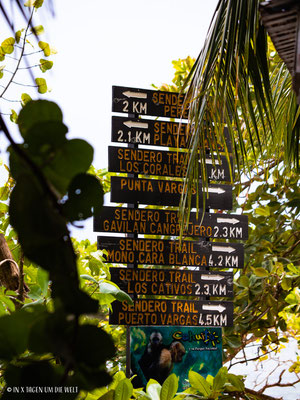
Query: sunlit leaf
(45, 65)
(25, 98)
(38, 30)
(7, 45)
(42, 85)
(47, 49)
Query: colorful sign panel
(166, 193)
(173, 282)
(165, 222)
(172, 252)
(172, 312)
(188, 348)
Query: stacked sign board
(176, 275)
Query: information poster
(157, 352)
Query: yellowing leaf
(34, 3)
(47, 49)
(42, 85)
(25, 98)
(7, 45)
(1, 71)
(14, 116)
(18, 35)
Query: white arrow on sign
(216, 190)
(134, 124)
(227, 221)
(224, 249)
(210, 161)
(212, 307)
(212, 277)
(137, 95)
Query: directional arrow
(212, 277)
(211, 307)
(210, 161)
(133, 124)
(224, 249)
(228, 221)
(216, 190)
(137, 95)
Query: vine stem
(21, 55)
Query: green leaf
(123, 390)
(236, 381)
(14, 116)
(43, 280)
(85, 197)
(41, 84)
(7, 45)
(89, 278)
(18, 35)
(153, 389)
(34, 3)
(47, 49)
(286, 283)
(72, 158)
(1, 71)
(198, 382)
(261, 272)
(220, 379)
(264, 211)
(169, 387)
(244, 281)
(25, 98)
(45, 65)
(38, 111)
(38, 30)
(120, 295)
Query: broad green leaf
(43, 280)
(25, 98)
(286, 283)
(153, 389)
(236, 381)
(120, 295)
(89, 278)
(38, 111)
(41, 84)
(264, 211)
(7, 45)
(123, 390)
(198, 382)
(85, 197)
(47, 49)
(45, 65)
(169, 387)
(261, 272)
(244, 281)
(220, 379)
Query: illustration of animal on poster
(156, 352)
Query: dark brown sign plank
(163, 163)
(166, 193)
(165, 222)
(148, 102)
(160, 133)
(169, 252)
(172, 312)
(173, 282)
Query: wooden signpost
(177, 276)
(162, 163)
(172, 252)
(165, 222)
(173, 282)
(160, 133)
(166, 193)
(172, 312)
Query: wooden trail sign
(165, 222)
(163, 163)
(172, 312)
(148, 102)
(168, 252)
(173, 282)
(166, 193)
(160, 133)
